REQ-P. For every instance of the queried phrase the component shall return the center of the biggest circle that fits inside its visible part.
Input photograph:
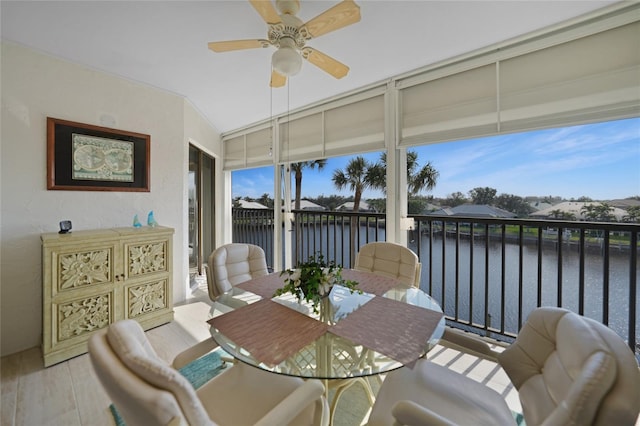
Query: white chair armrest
(468, 342)
(293, 404)
(411, 414)
(193, 353)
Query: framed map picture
(84, 157)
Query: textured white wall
(34, 87)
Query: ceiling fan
(289, 35)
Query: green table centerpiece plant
(313, 280)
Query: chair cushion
(243, 394)
(128, 341)
(236, 263)
(446, 393)
(562, 367)
(389, 259)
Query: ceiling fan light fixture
(286, 60)
(289, 35)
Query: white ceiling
(164, 44)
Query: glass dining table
(382, 327)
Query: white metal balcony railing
(486, 273)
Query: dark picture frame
(84, 157)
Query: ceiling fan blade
(339, 16)
(226, 46)
(266, 10)
(277, 79)
(325, 62)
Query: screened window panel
(452, 107)
(349, 128)
(355, 127)
(257, 148)
(248, 150)
(234, 153)
(592, 78)
(301, 139)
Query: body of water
(480, 277)
(472, 277)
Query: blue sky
(600, 161)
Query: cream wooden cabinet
(94, 278)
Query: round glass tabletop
(361, 338)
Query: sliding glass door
(201, 208)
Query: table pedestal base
(342, 385)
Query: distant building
(430, 208)
(539, 205)
(244, 204)
(307, 205)
(574, 208)
(624, 204)
(348, 206)
(474, 210)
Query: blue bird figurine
(136, 222)
(151, 221)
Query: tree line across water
(360, 174)
(419, 204)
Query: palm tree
(633, 214)
(357, 176)
(266, 200)
(421, 178)
(418, 178)
(601, 212)
(560, 214)
(297, 168)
